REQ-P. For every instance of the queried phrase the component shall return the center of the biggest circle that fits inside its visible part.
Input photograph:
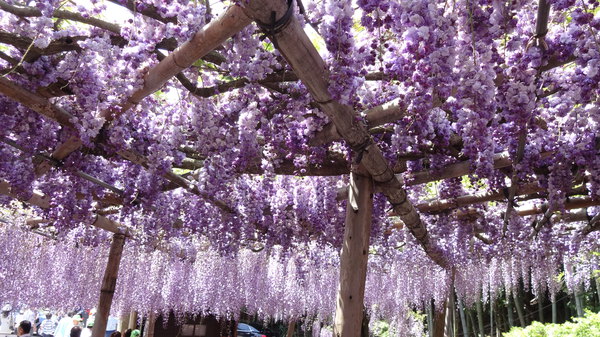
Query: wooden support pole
(133, 317)
(296, 47)
(150, 325)
(123, 322)
(109, 283)
(353, 260)
(291, 328)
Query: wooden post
(108, 285)
(150, 322)
(353, 259)
(123, 322)
(133, 317)
(291, 328)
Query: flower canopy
(220, 142)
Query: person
(64, 326)
(135, 333)
(87, 332)
(24, 329)
(75, 331)
(127, 333)
(6, 320)
(115, 334)
(48, 326)
(65, 330)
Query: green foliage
(381, 329)
(587, 326)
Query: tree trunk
(509, 305)
(365, 324)
(450, 315)
(430, 318)
(578, 302)
(491, 316)
(554, 310)
(519, 307)
(463, 319)
(540, 308)
(353, 259)
(598, 288)
(108, 285)
(480, 318)
(291, 328)
(472, 322)
(439, 320)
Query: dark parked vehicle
(245, 330)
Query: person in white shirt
(63, 329)
(24, 329)
(7, 320)
(48, 326)
(87, 332)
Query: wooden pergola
(370, 172)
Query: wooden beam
(41, 105)
(573, 203)
(43, 202)
(295, 46)
(109, 283)
(353, 259)
(205, 40)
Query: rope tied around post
(276, 26)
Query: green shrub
(587, 326)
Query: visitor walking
(7, 320)
(48, 326)
(87, 331)
(75, 331)
(24, 329)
